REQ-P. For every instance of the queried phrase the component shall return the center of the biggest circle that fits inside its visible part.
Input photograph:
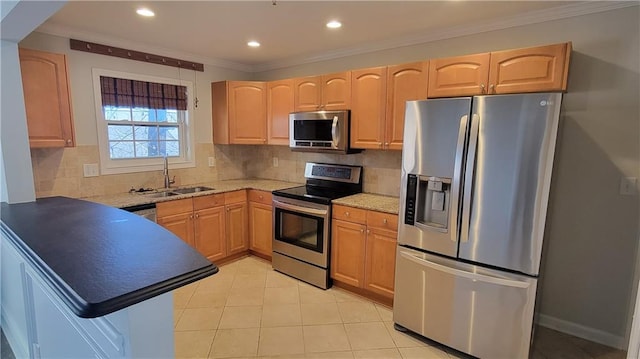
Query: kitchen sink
(162, 194)
(191, 189)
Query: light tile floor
(248, 310)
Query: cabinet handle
(481, 88)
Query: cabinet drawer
(382, 220)
(213, 200)
(260, 196)
(235, 197)
(174, 207)
(350, 214)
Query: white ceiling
(291, 32)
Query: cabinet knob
(384, 221)
(261, 197)
(197, 215)
(68, 141)
(386, 144)
(380, 144)
(492, 88)
(191, 216)
(481, 88)
(346, 214)
(368, 231)
(362, 231)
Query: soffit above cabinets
(294, 32)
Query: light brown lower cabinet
(260, 222)
(215, 225)
(363, 252)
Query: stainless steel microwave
(320, 131)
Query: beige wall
(591, 231)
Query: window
(140, 121)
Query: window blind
(131, 93)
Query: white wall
(80, 65)
(592, 231)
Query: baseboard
(18, 345)
(581, 331)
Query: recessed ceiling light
(253, 44)
(334, 24)
(145, 12)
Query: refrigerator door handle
(457, 178)
(461, 273)
(468, 178)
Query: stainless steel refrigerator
(473, 202)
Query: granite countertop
(374, 202)
(99, 259)
(133, 199)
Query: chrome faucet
(167, 181)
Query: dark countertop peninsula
(97, 258)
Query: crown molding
(69, 32)
(533, 17)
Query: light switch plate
(628, 186)
(90, 170)
(212, 161)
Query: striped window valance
(132, 93)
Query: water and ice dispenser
(427, 202)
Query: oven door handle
(306, 210)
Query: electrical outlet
(275, 162)
(212, 161)
(90, 170)
(628, 186)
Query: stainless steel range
(302, 217)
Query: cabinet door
(459, 76)
(380, 261)
(260, 227)
(307, 93)
(209, 230)
(368, 107)
(236, 228)
(347, 252)
(405, 82)
(247, 112)
(47, 99)
(181, 225)
(535, 69)
(279, 105)
(336, 91)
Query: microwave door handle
(335, 132)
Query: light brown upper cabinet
(47, 99)
(368, 107)
(279, 105)
(459, 76)
(543, 68)
(327, 92)
(239, 112)
(534, 69)
(405, 82)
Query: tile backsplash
(58, 172)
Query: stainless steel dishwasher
(147, 210)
